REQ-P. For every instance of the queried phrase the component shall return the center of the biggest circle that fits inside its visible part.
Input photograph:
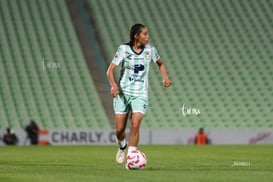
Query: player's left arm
(162, 68)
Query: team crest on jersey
(147, 55)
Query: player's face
(143, 37)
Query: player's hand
(167, 83)
(114, 90)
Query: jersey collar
(136, 52)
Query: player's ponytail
(135, 30)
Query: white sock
(122, 143)
(131, 148)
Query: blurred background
(218, 54)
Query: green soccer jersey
(134, 68)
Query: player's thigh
(136, 120)
(121, 121)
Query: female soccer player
(130, 93)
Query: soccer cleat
(120, 157)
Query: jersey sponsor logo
(131, 78)
(140, 59)
(138, 68)
(134, 58)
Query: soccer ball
(136, 160)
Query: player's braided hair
(135, 30)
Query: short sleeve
(119, 55)
(155, 54)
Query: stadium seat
(38, 36)
(217, 54)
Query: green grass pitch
(165, 163)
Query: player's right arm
(118, 58)
(111, 78)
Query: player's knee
(134, 127)
(120, 131)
